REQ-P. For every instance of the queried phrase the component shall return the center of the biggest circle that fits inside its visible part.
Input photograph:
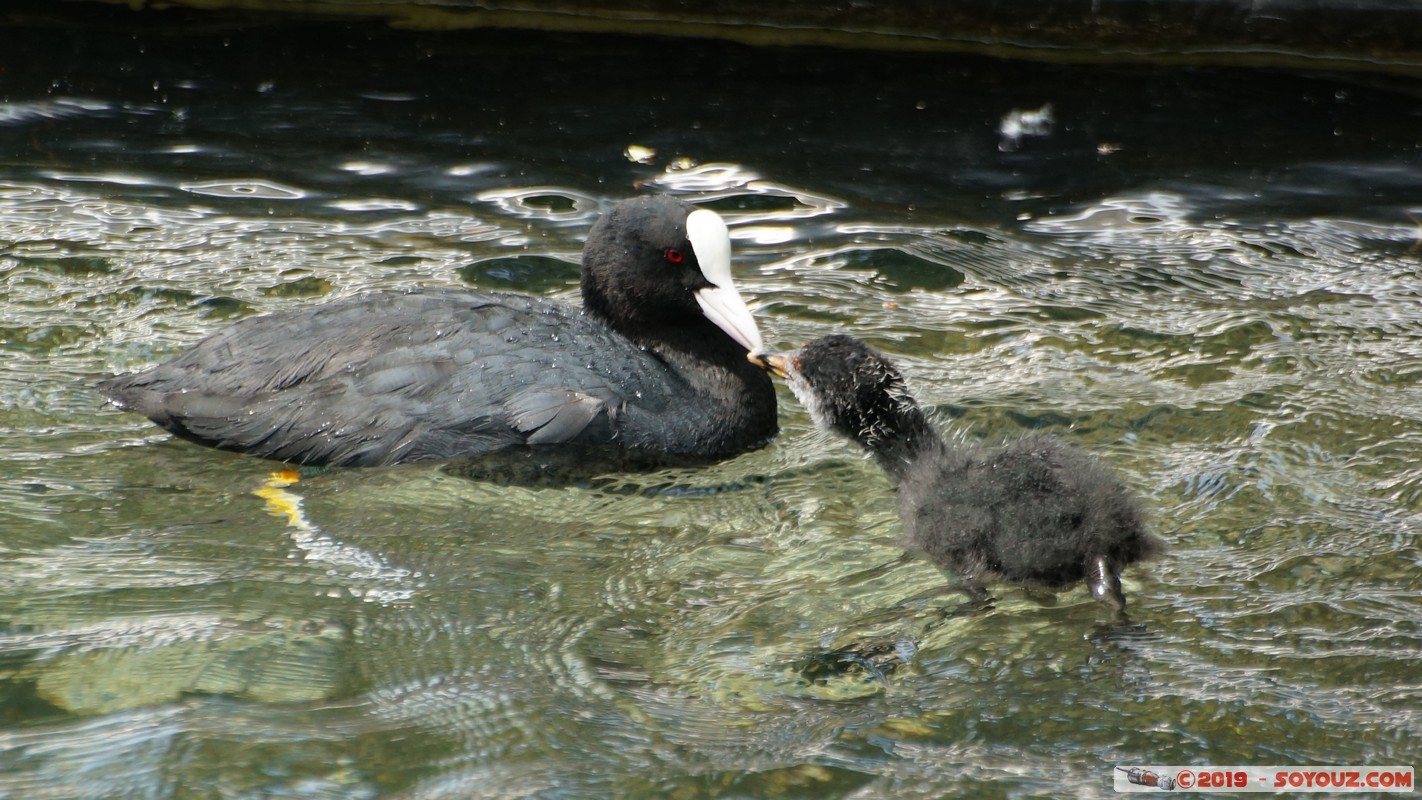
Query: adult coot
(653, 363)
(1037, 512)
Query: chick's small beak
(774, 363)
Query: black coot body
(653, 363)
(1037, 512)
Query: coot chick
(1037, 512)
(654, 363)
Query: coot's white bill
(720, 302)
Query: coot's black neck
(731, 405)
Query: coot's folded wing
(405, 377)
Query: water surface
(1208, 277)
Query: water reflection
(255, 189)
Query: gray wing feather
(549, 415)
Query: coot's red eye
(674, 255)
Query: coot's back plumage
(394, 378)
(1036, 512)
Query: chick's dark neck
(898, 435)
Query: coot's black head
(655, 264)
(850, 388)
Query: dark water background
(1210, 277)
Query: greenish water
(1209, 278)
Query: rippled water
(1210, 278)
